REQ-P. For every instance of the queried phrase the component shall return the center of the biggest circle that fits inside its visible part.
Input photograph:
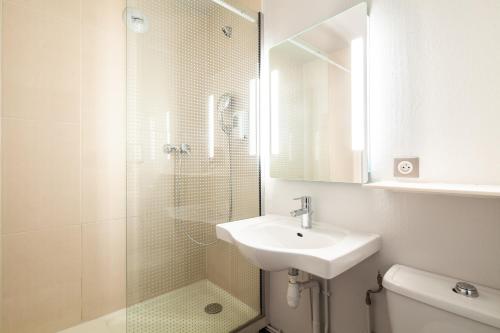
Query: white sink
(276, 243)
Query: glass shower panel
(192, 162)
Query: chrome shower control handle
(169, 149)
(183, 148)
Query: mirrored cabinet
(318, 101)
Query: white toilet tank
(422, 302)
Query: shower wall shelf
(466, 190)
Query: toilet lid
(437, 291)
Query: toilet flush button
(466, 289)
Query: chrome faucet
(305, 211)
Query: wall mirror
(318, 101)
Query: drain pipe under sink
(295, 288)
(326, 305)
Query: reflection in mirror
(318, 101)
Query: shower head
(226, 114)
(136, 20)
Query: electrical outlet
(406, 167)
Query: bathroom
(138, 137)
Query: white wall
(427, 58)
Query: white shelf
(468, 190)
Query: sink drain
(213, 308)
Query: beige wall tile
(58, 176)
(245, 280)
(103, 110)
(41, 66)
(42, 280)
(47, 155)
(41, 172)
(103, 124)
(103, 288)
(64, 9)
(19, 199)
(219, 265)
(228, 269)
(159, 258)
(103, 14)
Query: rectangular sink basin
(276, 243)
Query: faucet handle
(305, 201)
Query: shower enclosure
(128, 130)
(192, 162)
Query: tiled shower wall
(63, 162)
(171, 71)
(159, 258)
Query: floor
(179, 311)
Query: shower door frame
(260, 321)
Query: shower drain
(213, 308)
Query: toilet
(423, 302)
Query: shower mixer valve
(182, 148)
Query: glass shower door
(192, 162)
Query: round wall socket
(405, 167)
